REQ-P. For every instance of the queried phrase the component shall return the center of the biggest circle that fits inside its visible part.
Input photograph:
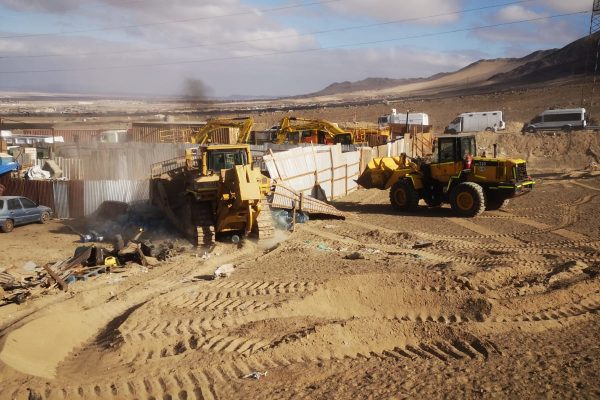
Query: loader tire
(403, 196)
(492, 204)
(467, 199)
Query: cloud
(569, 5)
(389, 10)
(54, 6)
(516, 13)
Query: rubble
(87, 262)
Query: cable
(170, 22)
(113, 67)
(320, 32)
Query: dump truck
(213, 189)
(452, 174)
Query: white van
(566, 119)
(476, 122)
(400, 118)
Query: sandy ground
(502, 305)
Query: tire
(531, 129)
(467, 199)
(433, 202)
(403, 196)
(566, 128)
(45, 217)
(7, 226)
(492, 204)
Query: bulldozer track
(556, 314)
(265, 226)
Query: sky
(230, 48)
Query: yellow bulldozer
(452, 175)
(213, 189)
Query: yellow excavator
(303, 130)
(213, 189)
(204, 135)
(452, 175)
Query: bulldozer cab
(212, 159)
(216, 160)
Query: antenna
(595, 20)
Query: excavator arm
(244, 124)
(296, 124)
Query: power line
(298, 5)
(230, 58)
(319, 32)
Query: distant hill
(539, 66)
(553, 64)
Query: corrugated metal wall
(97, 192)
(128, 161)
(39, 191)
(61, 199)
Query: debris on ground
(88, 261)
(255, 375)
(422, 245)
(354, 256)
(224, 271)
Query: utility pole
(594, 28)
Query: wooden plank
(63, 285)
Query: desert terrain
(502, 305)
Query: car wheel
(467, 199)
(7, 226)
(45, 217)
(531, 129)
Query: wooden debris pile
(87, 262)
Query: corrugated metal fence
(73, 199)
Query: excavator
(451, 175)
(204, 135)
(213, 189)
(303, 130)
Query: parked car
(16, 210)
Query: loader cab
(451, 155)
(449, 149)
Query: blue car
(16, 210)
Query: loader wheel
(467, 199)
(403, 196)
(492, 204)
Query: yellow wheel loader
(213, 189)
(451, 175)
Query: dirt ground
(504, 305)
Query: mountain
(576, 58)
(539, 66)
